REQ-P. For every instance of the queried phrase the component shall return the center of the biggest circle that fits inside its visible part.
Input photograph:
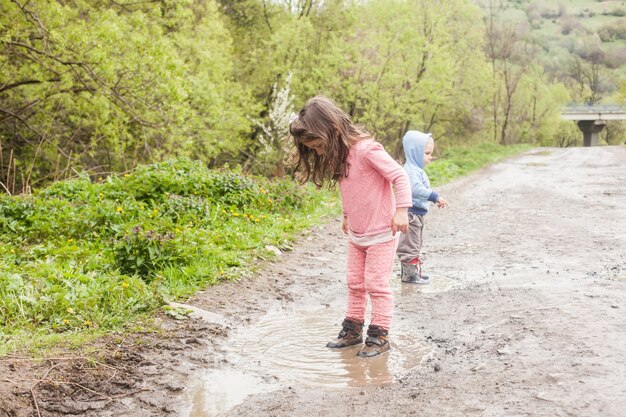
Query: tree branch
(26, 82)
(266, 16)
(18, 117)
(46, 54)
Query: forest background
(101, 86)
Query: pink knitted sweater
(366, 195)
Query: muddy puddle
(286, 347)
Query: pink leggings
(368, 272)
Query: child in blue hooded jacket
(418, 151)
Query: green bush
(144, 253)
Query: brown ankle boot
(350, 334)
(375, 343)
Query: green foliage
(98, 87)
(538, 104)
(91, 256)
(145, 253)
(568, 134)
(614, 133)
(613, 32)
(421, 71)
(458, 161)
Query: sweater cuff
(433, 197)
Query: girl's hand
(344, 226)
(400, 220)
(442, 202)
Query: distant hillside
(579, 39)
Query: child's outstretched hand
(442, 202)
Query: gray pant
(410, 243)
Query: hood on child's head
(414, 143)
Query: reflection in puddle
(438, 284)
(289, 347)
(221, 390)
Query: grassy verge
(81, 259)
(461, 160)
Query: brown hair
(320, 118)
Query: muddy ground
(526, 316)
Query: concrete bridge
(592, 119)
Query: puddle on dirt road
(287, 348)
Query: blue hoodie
(414, 143)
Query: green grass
(461, 160)
(81, 258)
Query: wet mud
(524, 317)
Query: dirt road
(526, 316)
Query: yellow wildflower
(87, 323)
(124, 284)
(236, 214)
(66, 321)
(119, 209)
(70, 310)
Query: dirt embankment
(525, 317)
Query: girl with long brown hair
(330, 149)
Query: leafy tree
(614, 133)
(273, 152)
(413, 65)
(525, 104)
(280, 44)
(537, 104)
(588, 73)
(99, 86)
